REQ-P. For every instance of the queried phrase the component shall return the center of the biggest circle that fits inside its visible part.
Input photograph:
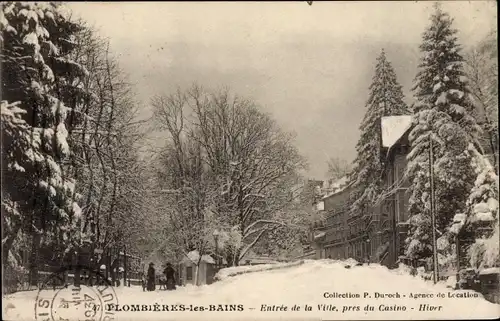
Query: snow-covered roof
(319, 235)
(393, 128)
(337, 186)
(194, 256)
(491, 270)
(339, 183)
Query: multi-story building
(378, 234)
(335, 221)
(387, 226)
(311, 191)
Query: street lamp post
(433, 213)
(216, 237)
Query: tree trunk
(113, 272)
(7, 245)
(108, 265)
(196, 275)
(9, 240)
(77, 271)
(125, 269)
(237, 253)
(493, 145)
(35, 249)
(229, 254)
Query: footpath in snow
(316, 289)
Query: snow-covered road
(327, 287)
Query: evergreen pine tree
(442, 113)
(38, 93)
(385, 99)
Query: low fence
(21, 281)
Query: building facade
(336, 214)
(378, 235)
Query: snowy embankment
(238, 270)
(327, 287)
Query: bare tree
(338, 168)
(243, 158)
(105, 152)
(482, 71)
(182, 176)
(289, 241)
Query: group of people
(149, 282)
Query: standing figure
(170, 275)
(151, 277)
(144, 281)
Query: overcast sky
(309, 66)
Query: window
(385, 210)
(189, 273)
(402, 198)
(399, 166)
(390, 175)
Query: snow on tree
(482, 214)
(385, 99)
(111, 177)
(18, 150)
(39, 191)
(242, 156)
(441, 114)
(287, 240)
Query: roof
(337, 186)
(194, 256)
(319, 235)
(491, 270)
(393, 128)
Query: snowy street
(299, 160)
(331, 290)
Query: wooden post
(108, 264)
(394, 234)
(34, 259)
(457, 245)
(77, 271)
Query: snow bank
(403, 269)
(349, 261)
(483, 204)
(451, 281)
(321, 285)
(237, 270)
